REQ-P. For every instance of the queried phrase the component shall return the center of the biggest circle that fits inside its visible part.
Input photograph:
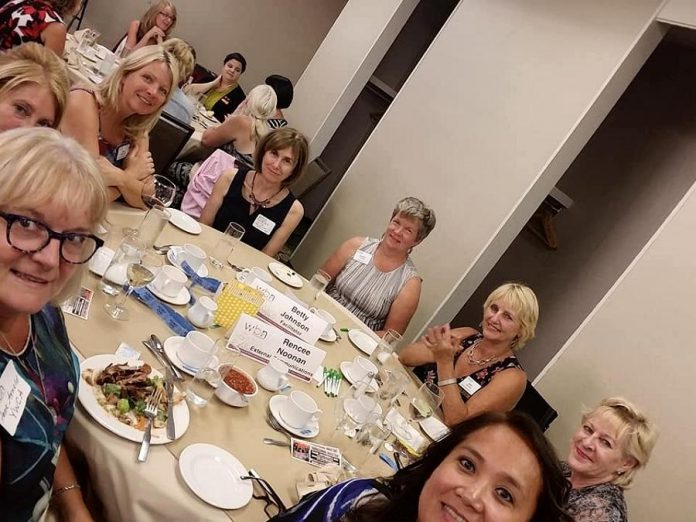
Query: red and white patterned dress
(23, 21)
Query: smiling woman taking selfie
(51, 199)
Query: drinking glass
(152, 225)
(207, 378)
(139, 272)
(369, 439)
(319, 282)
(393, 385)
(158, 190)
(426, 400)
(352, 410)
(223, 250)
(115, 276)
(385, 347)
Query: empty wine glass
(139, 272)
(225, 246)
(158, 190)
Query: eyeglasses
(168, 16)
(274, 505)
(30, 236)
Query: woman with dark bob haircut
(223, 94)
(494, 467)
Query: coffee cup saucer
(182, 298)
(329, 337)
(277, 404)
(347, 371)
(173, 258)
(171, 349)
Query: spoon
(276, 442)
(162, 249)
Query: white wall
(500, 104)
(679, 12)
(276, 37)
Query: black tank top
(235, 208)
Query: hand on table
(139, 163)
(440, 342)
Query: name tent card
(260, 341)
(288, 315)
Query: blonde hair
(260, 105)
(147, 22)
(635, 432)
(183, 53)
(32, 63)
(109, 91)
(524, 305)
(42, 168)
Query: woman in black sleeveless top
(259, 198)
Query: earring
(619, 473)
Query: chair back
(167, 138)
(534, 405)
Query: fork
(273, 423)
(150, 412)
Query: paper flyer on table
(313, 453)
(79, 305)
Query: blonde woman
(52, 198)
(112, 121)
(179, 104)
(613, 442)
(39, 21)
(33, 87)
(153, 28)
(476, 371)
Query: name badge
(14, 391)
(263, 224)
(122, 151)
(362, 257)
(470, 386)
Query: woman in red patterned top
(39, 21)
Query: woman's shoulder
(603, 502)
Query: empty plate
(286, 274)
(362, 341)
(183, 221)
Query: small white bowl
(229, 395)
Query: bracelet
(447, 382)
(66, 488)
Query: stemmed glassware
(426, 400)
(139, 272)
(158, 190)
(225, 246)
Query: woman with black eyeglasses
(51, 199)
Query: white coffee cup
(249, 275)
(274, 375)
(326, 316)
(299, 409)
(361, 367)
(196, 350)
(169, 281)
(202, 313)
(193, 255)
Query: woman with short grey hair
(375, 278)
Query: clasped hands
(439, 340)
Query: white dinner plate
(362, 341)
(213, 474)
(172, 257)
(286, 274)
(171, 348)
(276, 404)
(346, 370)
(89, 401)
(182, 298)
(183, 221)
(100, 261)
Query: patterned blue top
(29, 457)
(332, 503)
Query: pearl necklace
(472, 358)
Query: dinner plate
(100, 260)
(171, 349)
(286, 274)
(183, 221)
(346, 370)
(182, 298)
(276, 404)
(89, 401)
(213, 474)
(362, 341)
(172, 255)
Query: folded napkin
(326, 476)
(209, 283)
(174, 320)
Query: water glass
(426, 400)
(203, 386)
(223, 250)
(320, 280)
(385, 347)
(370, 438)
(152, 225)
(393, 385)
(115, 276)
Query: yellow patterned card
(234, 299)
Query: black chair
(167, 138)
(79, 16)
(534, 405)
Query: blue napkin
(176, 322)
(209, 283)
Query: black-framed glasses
(167, 15)
(274, 505)
(29, 236)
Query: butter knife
(157, 345)
(161, 357)
(169, 385)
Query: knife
(169, 385)
(157, 344)
(162, 360)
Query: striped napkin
(176, 322)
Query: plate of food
(114, 390)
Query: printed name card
(14, 392)
(288, 315)
(260, 341)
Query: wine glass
(426, 400)
(320, 280)
(225, 246)
(158, 190)
(140, 272)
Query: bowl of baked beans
(237, 386)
